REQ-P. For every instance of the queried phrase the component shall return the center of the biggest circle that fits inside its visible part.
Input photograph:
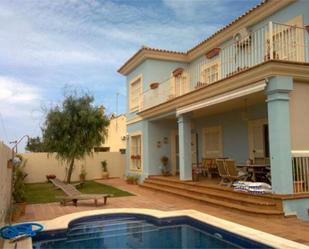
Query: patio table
(254, 169)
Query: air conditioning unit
(241, 34)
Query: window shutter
(213, 142)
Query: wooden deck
(209, 191)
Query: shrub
(132, 179)
(104, 165)
(19, 182)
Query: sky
(51, 48)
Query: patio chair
(233, 173)
(209, 167)
(222, 172)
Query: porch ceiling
(234, 104)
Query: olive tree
(73, 128)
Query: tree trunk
(70, 171)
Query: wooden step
(218, 189)
(254, 210)
(214, 195)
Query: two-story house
(242, 93)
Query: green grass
(45, 192)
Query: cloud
(14, 91)
(46, 45)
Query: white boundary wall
(39, 165)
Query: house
(242, 93)
(116, 135)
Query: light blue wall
(152, 71)
(157, 131)
(137, 127)
(153, 131)
(299, 207)
(234, 128)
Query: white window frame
(206, 130)
(208, 66)
(136, 106)
(132, 161)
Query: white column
(185, 161)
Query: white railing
(273, 41)
(153, 97)
(300, 164)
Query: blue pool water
(140, 231)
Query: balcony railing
(300, 164)
(273, 41)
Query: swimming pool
(141, 231)
(144, 228)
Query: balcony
(273, 41)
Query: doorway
(175, 150)
(258, 140)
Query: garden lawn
(45, 192)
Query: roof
(145, 52)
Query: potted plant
(132, 179)
(82, 175)
(105, 173)
(154, 85)
(50, 176)
(195, 174)
(164, 167)
(19, 194)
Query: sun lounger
(74, 195)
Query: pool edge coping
(62, 222)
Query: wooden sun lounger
(74, 195)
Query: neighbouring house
(116, 136)
(242, 93)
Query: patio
(290, 228)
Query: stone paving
(290, 228)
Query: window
(213, 142)
(135, 94)
(210, 72)
(179, 84)
(122, 151)
(136, 152)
